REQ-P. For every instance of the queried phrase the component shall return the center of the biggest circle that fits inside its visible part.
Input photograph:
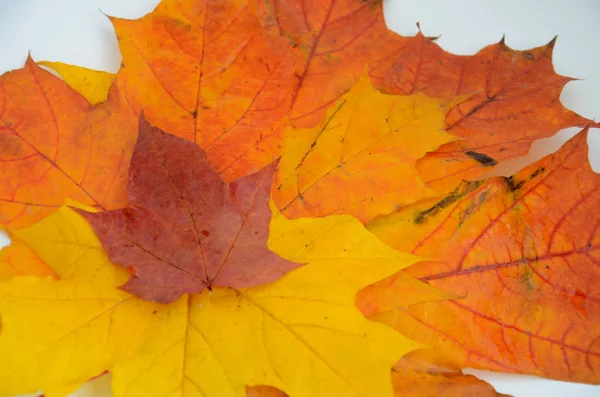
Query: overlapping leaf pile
(233, 212)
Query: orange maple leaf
(334, 41)
(522, 256)
(18, 260)
(423, 374)
(336, 38)
(515, 101)
(55, 145)
(209, 73)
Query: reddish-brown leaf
(522, 256)
(185, 229)
(516, 101)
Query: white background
(77, 32)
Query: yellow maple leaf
(302, 334)
(92, 84)
(361, 159)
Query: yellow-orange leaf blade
(301, 334)
(361, 160)
(58, 334)
(423, 374)
(18, 260)
(54, 146)
(92, 84)
(515, 101)
(521, 253)
(334, 40)
(206, 71)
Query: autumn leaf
(58, 334)
(55, 146)
(17, 260)
(334, 41)
(208, 72)
(521, 253)
(301, 334)
(92, 84)
(264, 391)
(361, 160)
(514, 90)
(185, 229)
(515, 101)
(421, 374)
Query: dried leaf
(92, 84)
(18, 260)
(302, 334)
(515, 101)
(185, 229)
(521, 253)
(208, 72)
(420, 374)
(334, 41)
(55, 146)
(361, 160)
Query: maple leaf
(515, 101)
(421, 374)
(521, 253)
(18, 260)
(361, 160)
(335, 39)
(301, 334)
(92, 84)
(54, 145)
(177, 199)
(209, 73)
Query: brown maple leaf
(522, 256)
(185, 229)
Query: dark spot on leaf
(195, 113)
(514, 185)
(529, 55)
(535, 174)
(482, 158)
(155, 311)
(480, 106)
(205, 233)
(464, 188)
